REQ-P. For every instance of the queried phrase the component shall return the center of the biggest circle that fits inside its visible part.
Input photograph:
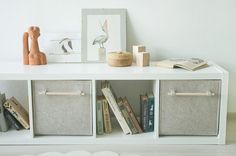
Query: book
(150, 126)
(13, 122)
(144, 112)
(191, 64)
(16, 109)
(99, 116)
(132, 115)
(111, 98)
(3, 121)
(126, 116)
(106, 116)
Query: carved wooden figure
(32, 56)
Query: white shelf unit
(136, 77)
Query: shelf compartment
(17, 89)
(132, 89)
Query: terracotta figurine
(32, 56)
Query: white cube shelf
(127, 81)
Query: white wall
(169, 28)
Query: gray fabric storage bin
(60, 108)
(189, 107)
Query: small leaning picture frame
(62, 47)
(103, 31)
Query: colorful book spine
(126, 116)
(99, 116)
(13, 122)
(150, 126)
(106, 116)
(110, 96)
(132, 115)
(144, 112)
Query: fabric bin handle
(45, 92)
(174, 93)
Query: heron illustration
(66, 45)
(102, 38)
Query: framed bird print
(103, 31)
(63, 47)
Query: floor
(147, 150)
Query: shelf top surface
(18, 71)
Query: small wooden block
(143, 59)
(137, 49)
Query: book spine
(106, 117)
(15, 123)
(114, 107)
(126, 116)
(144, 112)
(3, 122)
(150, 126)
(15, 108)
(132, 115)
(99, 117)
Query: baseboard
(231, 115)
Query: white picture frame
(103, 31)
(62, 47)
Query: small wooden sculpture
(32, 56)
